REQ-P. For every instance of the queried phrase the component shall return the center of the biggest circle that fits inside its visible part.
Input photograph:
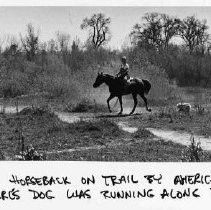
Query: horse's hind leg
(145, 101)
(135, 102)
(110, 97)
(120, 101)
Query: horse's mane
(110, 76)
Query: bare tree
(63, 40)
(99, 29)
(194, 32)
(52, 46)
(30, 42)
(170, 28)
(157, 30)
(11, 45)
(75, 47)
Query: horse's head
(99, 80)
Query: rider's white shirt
(126, 66)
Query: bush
(37, 111)
(17, 77)
(194, 152)
(30, 154)
(185, 68)
(86, 105)
(2, 157)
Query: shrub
(30, 154)
(194, 152)
(86, 105)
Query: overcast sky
(13, 20)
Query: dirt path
(124, 124)
(181, 137)
(167, 135)
(111, 144)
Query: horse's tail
(147, 86)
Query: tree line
(158, 30)
(179, 46)
(155, 30)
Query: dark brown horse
(119, 87)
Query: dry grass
(46, 132)
(140, 149)
(85, 105)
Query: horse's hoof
(120, 113)
(149, 110)
(131, 113)
(110, 111)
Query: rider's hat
(124, 58)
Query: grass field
(46, 133)
(99, 139)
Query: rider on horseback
(123, 70)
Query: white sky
(13, 20)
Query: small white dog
(184, 107)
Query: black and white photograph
(105, 83)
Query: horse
(119, 87)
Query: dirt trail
(11, 109)
(167, 135)
(126, 127)
(95, 147)
(181, 137)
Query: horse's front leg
(120, 101)
(108, 100)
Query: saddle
(124, 83)
(130, 79)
